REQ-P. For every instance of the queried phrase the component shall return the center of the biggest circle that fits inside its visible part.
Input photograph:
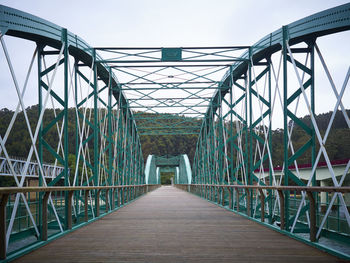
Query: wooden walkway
(169, 225)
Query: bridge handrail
(206, 191)
(5, 193)
(342, 189)
(29, 189)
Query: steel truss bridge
(32, 168)
(229, 96)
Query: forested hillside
(18, 143)
(337, 144)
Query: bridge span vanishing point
(84, 191)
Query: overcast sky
(171, 23)
(164, 23)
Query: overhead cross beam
(179, 81)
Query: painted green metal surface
(180, 165)
(171, 54)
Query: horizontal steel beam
(160, 61)
(169, 106)
(160, 48)
(171, 66)
(162, 99)
(167, 88)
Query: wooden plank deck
(169, 225)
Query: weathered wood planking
(170, 225)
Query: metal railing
(240, 199)
(113, 198)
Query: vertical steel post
(285, 126)
(95, 135)
(270, 140)
(76, 116)
(110, 136)
(246, 129)
(76, 119)
(40, 135)
(311, 46)
(65, 127)
(312, 92)
(220, 143)
(250, 136)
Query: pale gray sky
(179, 23)
(171, 22)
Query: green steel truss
(105, 149)
(229, 96)
(170, 83)
(273, 84)
(180, 165)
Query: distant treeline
(18, 142)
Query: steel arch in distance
(180, 164)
